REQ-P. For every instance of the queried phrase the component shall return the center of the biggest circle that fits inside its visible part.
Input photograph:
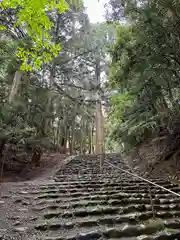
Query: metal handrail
(144, 179)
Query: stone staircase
(86, 204)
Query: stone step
(84, 204)
(100, 196)
(126, 208)
(78, 194)
(96, 179)
(109, 221)
(82, 212)
(109, 210)
(103, 191)
(107, 187)
(113, 202)
(120, 231)
(84, 222)
(95, 194)
(75, 179)
(167, 234)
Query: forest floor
(169, 169)
(49, 163)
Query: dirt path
(16, 206)
(49, 163)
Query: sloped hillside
(157, 156)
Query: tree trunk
(62, 148)
(99, 117)
(36, 157)
(99, 129)
(2, 147)
(92, 138)
(71, 141)
(51, 82)
(63, 142)
(73, 127)
(49, 101)
(15, 84)
(82, 136)
(58, 134)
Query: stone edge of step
(66, 160)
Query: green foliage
(58, 84)
(32, 17)
(145, 66)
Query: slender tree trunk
(51, 82)
(54, 135)
(63, 142)
(15, 85)
(73, 127)
(99, 129)
(92, 138)
(73, 138)
(82, 136)
(100, 134)
(2, 147)
(49, 101)
(58, 133)
(70, 141)
(63, 145)
(99, 116)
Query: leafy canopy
(145, 67)
(32, 17)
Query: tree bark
(99, 129)
(82, 136)
(51, 79)
(36, 157)
(49, 101)
(2, 147)
(63, 141)
(91, 143)
(15, 84)
(99, 114)
(99, 117)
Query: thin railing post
(151, 201)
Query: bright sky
(95, 10)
